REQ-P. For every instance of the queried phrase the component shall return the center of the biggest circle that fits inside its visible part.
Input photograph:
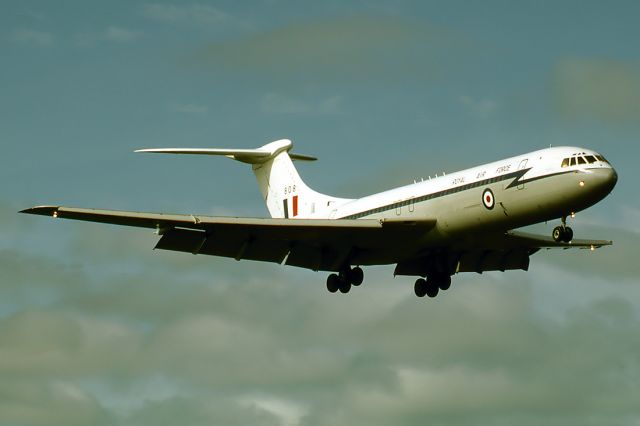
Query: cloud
(481, 108)
(277, 103)
(130, 336)
(287, 412)
(200, 410)
(610, 262)
(31, 37)
(195, 13)
(120, 35)
(363, 48)
(43, 403)
(112, 34)
(597, 88)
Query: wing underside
(317, 244)
(491, 252)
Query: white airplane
(432, 229)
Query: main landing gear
(345, 279)
(432, 285)
(562, 233)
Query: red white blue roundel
(487, 199)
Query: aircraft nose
(604, 180)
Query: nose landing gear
(562, 233)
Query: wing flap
(186, 240)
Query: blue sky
(95, 328)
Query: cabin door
(522, 166)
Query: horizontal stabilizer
(250, 156)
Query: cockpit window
(590, 159)
(601, 158)
(573, 161)
(581, 160)
(565, 162)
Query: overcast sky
(96, 328)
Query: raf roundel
(487, 199)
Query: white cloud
(32, 37)
(278, 103)
(288, 412)
(193, 13)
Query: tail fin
(284, 192)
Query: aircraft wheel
(558, 234)
(333, 283)
(420, 287)
(345, 285)
(356, 276)
(432, 288)
(444, 282)
(568, 235)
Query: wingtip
(42, 210)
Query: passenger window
(591, 159)
(565, 162)
(573, 161)
(581, 160)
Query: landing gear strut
(345, 279)
(562, 233)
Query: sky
(97, 328)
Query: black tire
(345, 285)
(432, 288)
(558, 234)
(444, 282)
(333, 283)
(568, 235)
(356, 276)
(420, 287)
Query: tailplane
(284, 192)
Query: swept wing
(318, 244)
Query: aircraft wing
(517, 239)
(318, 244)
(489, 252)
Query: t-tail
(284, 192)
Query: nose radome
(606, 179)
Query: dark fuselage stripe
(516, 176)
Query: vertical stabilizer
(284, 192)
